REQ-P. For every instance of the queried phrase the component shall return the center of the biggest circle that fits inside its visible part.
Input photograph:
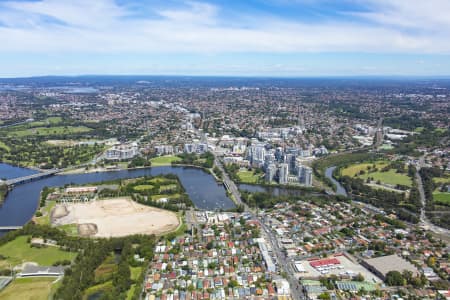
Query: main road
(423, 218)
(285, 266)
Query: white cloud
(198, 13)
(429, 15)
(102, 26)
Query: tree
(359, 277)
(394, 278)
(431, 262)
(407, 275)
(324, 296)
(233, 283)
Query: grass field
(143, 187)
(389, 177)
(28, 289)
(130, 292)
(441, 179)
(18, 251)
(248, 176)
(161, 180)
(48, 121)
(164, 160)
(70, 229)
(45, 131)
(440, 130)
(135, 272)
(45, 219)
(171, 196)
(356, 168)
(441, 198)
(55, 287)
(386, 147)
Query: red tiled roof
(324, 262)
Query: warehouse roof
(385, 264)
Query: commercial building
(384, 264)
(266, 256)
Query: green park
(246, 176)
(20, 250)
(165, 160)
(39, 288)
(380, 172)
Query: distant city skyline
(270, 38)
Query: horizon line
(387, 76)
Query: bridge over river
(15, 181)
(7, 228)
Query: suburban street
(283, 264)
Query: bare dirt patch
(59, 211)
(87, 229)
(117, 217)
(64, 143)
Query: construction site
(114, 217)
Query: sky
(287, 38)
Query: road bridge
(4, 228)
(15, 181)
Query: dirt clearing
(116, 217)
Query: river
(8, 171)
(339, 188)
(22, 201)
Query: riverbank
(284, 186)
(3, 192)
(106, 169)
(202, 188)
(87, 171)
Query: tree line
(427, 175)
(91, 253)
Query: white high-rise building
(283, 173)
(268, 159)
(305, 175)
(123, 151)
(198, 148)
(308, 179)
(257, 155)
(271, 171)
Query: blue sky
(231, 37)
